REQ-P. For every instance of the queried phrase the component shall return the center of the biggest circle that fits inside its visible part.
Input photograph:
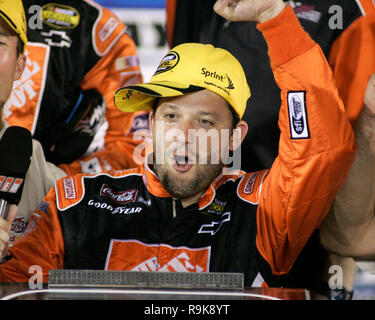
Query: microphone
(15, 152)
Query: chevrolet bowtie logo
(56, 38)
(214, 226)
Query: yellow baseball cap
(187, 68)
(13, 13)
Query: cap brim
(140, 97)
(13, 26)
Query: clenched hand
(249, 10)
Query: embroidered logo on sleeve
(108, 29)
(299, 128)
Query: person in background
(185, 210)
(349, 229)
(41, 174)
(345, 32)
(78, 54)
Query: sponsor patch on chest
(69, 189)
(60, 16)
(113, 209)
(133, 255)
(213, 227)
(118, 196)
(249, 185)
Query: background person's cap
(186, 68)
(13, 13)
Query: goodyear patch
(60, 16)
(168, 62)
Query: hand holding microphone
(15, 154)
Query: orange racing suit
(254, 223)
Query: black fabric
(67, 141)
(89, 226)
(270, 279)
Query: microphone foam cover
(15, 152)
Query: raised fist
(249, 10)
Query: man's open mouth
(181, 160)
(182, 163)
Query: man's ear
(20, 66)
(239, 134)
(151, 118)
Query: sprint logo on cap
(221, 78)
(212, 74)
(168, 62)
(215, 75)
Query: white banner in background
(147, 28)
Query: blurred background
(146, 24)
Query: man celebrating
(182, 211)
